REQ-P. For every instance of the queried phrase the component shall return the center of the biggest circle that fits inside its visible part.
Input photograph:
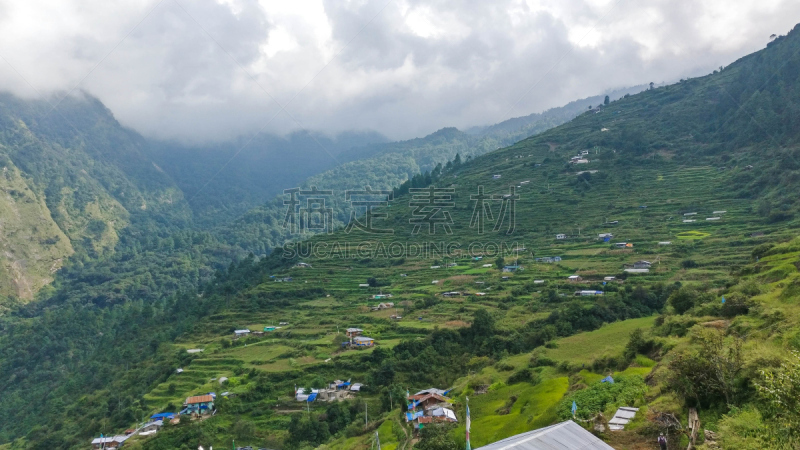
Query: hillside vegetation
(520, 345)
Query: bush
(524, 376)
(625, 391)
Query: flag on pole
(574, 408)
(468, 424)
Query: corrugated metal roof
(622, 417)
(563, 436)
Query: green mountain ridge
(387, 166)
(72, 180)
(716, 147)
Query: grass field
(584, 348)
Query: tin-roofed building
(199, 404)
(563, 436)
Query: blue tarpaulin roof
(411, 416)
(163, 416)
(312, 397)
(607, 379)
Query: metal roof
(563, 436)
(199, 399)
(622, 417)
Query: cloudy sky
(213, 69)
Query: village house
(609, 278)
(587, 293)
(563, 436)
(353, 332)
(427, 401)
(363, 341)
(199, 404)
(109, 443)
(548, 259)
(574, 278)
(642, 265)
(302, 265)
(240, 333)
(513, 268)
(451, 294)
(561, 236)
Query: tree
(651, 85)
(372, 282)
(712, 371)
(244, 429)
(606, 101)
(499, 262)
(682, 300)
(436, 436)
(482, 324)
(779, 391)
(635, 342)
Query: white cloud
(204, 69)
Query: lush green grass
(533, 408)
(609, 340)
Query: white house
(240, 333)
(561, 236)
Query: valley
(651, 239)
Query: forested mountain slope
(386, 166)
(222, 181)
(72, 180)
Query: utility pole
(366, 415)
